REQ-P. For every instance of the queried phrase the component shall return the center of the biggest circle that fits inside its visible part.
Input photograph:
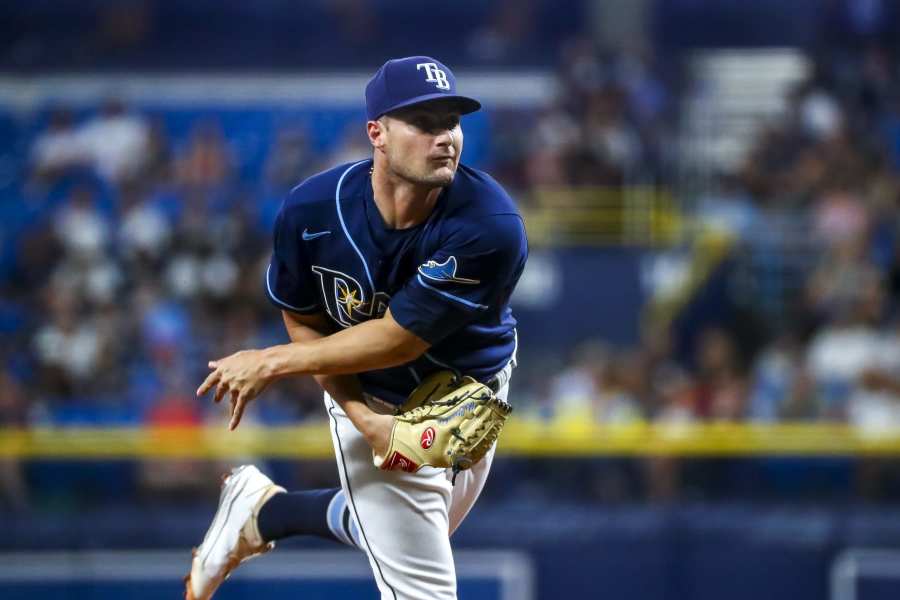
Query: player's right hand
(243, 375)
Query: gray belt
(500, 378)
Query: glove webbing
(502, 405)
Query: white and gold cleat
(233, 536)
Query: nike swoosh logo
(311, 236)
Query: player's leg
(468, 488)
(465, 493)
(401, 518)
(322, 513)
(254, 512)
(469, 483)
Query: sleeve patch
(444, 272)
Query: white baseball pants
(403, 521)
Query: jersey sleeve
(474, 272)
(289, 280)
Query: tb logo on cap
(435, 75)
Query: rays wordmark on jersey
(345, 299)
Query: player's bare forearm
(308, 328)
(344, 389)
(375, 344)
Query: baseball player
(387, 271)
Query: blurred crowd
(814, 333)
(612, 123)
(143, 257)
(142, 262)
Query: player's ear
(375, 130)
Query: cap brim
(467, 105)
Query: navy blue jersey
(448, 280)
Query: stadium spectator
(843, 349)
(573, 390)
(206, 163)
(175, 479)
(57, 148)
(116, 142)
(68, 347)
(82, 229)
(781, 387)
(720, 389)
(622, 389)
(145, 231)
(290, 159)
(14, 408)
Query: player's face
(423, 143)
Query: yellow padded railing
(522, 437)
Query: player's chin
(442, 175)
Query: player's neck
(402, 204)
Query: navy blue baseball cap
(412, 80)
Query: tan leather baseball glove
(447, 422)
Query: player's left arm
(474, 273)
